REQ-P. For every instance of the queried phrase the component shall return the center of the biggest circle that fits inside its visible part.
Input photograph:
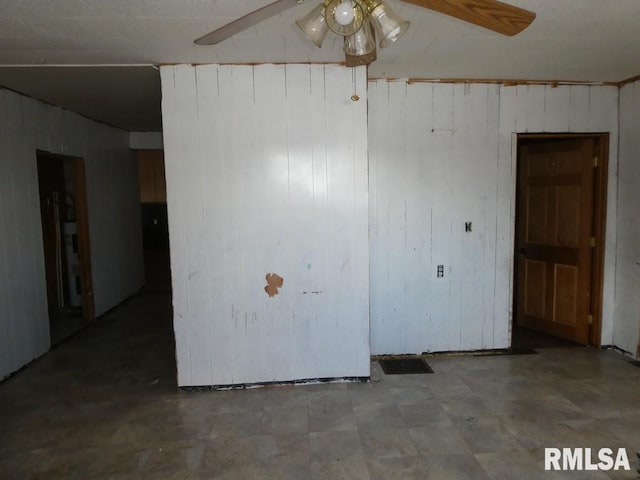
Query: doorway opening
(559, 239)
(155, 222)
(65, 239)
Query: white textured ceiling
(571, 40)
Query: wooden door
(84, 241)
(555, 232)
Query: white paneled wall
(267, 173)
(627, 286)
(442, 155)
(114, 218)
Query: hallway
(104, 405)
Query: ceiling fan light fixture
(360, 48)
(388, 24)
(314, 25)
(340, 20)
(362, 42)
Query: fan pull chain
(355, 97)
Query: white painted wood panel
(442, 155)
(420, 161)
(626, 333)
(267, 173)
(114, 218)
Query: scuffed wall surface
(441, 156)
(626, 334)
(114, 218)
(267, 195)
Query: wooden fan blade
(492, 14)
(249, 20)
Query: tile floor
(104, 405)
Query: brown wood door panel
(84, 241)
(151, 176)
(555, 226)
(534, 298)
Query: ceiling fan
(360, 21)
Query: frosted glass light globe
(344, 13)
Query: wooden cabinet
(151, 176)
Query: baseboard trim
(288, 383)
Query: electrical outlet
(440, 273)
(467, 227)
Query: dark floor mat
(404, 366)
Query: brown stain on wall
(274, 282)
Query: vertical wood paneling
(347, 265)
(396, 204)
(278, 236)
(435, 128)
(580, 98)
(442, 155)
(23, 317)
(196, 253)
(114, 218)
(415, 279)
(377, 117)
(302, 217)
(209, 102)
(267, 173)
(178, 237)
(605, 108)
(425, 159)
(316, 256)
(113, 206)
(11, 356)
(478, 246)
(557, 114)
(626, 333)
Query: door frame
(79, 180)
(598, 228)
